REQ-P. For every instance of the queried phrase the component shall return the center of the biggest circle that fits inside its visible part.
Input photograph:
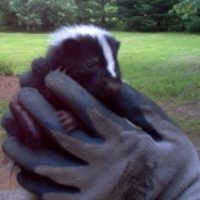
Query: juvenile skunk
(88, 54)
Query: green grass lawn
(165, 66)
(17, 50)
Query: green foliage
(5, 68)
(194, 25)
(101, 12)
(34, 15)
(188, 12)
(1, 20)
(42, 15)
(3, 108)
(145, 15)
(186, 9)
(8, 18)
(140, 15)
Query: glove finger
(62, 196)
(78, 143)
(30, 132)
(25, 133)
(20, 124)
(46, 163)
(41, 185)
(131, 104)
(165, 129)
(40, 109)
(93, 114)
(31, 159)
(84, 150)
(74, 176)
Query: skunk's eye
(92, 64)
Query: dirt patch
(9, 85)
(7, 172)
(189, 110)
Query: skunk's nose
(113, 87)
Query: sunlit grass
(163, 65)
(17, 50)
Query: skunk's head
(88, 54)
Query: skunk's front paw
(68, 120)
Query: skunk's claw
(62, 69)
(69, 121)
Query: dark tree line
(145, 15)
(139, 15)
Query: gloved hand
(115, 159)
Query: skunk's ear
(117, 45)
(114, 44)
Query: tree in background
(188, 13)
(139, 15)
(101, 12)
(46, 15)
(42, 15)
(7, 17)
(145, 15)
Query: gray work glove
(113, 160)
